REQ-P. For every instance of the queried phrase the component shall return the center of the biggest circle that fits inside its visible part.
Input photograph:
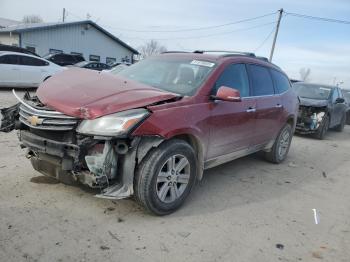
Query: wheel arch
(198, 148)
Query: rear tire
(165, 177)
(322, 130)
(280, 148)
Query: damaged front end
(310, 119)
(74, 150)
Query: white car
(23, 70)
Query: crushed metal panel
(8, 118)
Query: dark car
(151, 129)
(64, 59)
(17, 49)
(321, 107)
(346, 94)
(93, 65)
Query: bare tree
(305, 74)
(32, 19)
(151, 48)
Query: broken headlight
(114, 124)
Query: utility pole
(276, 33)
(64, 15)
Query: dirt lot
(246, 210)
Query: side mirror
(339, 100)
(225, 93)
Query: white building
(82, 37)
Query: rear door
(232, 123)
(268, 105)
(32, 70)
(9, 70)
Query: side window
(281, 81)
(234, 76)
(334, 95)
(31, 61)
(261, 81)
(9, 59)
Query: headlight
(114, 124)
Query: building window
(125, 59)
(110, 60)
(94, 58)
(31, 49)
(55, 51)
(76, 53)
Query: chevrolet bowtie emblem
(34, 120)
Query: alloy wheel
(173, 178)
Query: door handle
(250, 110)
(278, 106)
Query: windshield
(312, 91)
(180, 76)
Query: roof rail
(173, 52)
(226, 52)
(263, 58)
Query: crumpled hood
(313, 102)
(90, 94)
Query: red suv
(151, 129)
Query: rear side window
(281, 82)
(261, 81)
(234, 76)
(31, 61)
(9, 59)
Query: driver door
(232, 123)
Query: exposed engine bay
(55, 148)
(310, 119)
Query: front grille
(45, 119)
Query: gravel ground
(246, 210)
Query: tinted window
(281, 82)
(69, 59)
(234, 76)
(79, 58)
(31, 61)
(9, 59)
(261, 81)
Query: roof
(4, 22)
(19, 28)
(215, 57)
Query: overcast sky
(322, 47)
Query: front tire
(323, 129)
(280, 148)
(165, 177)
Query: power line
(324, 19)
(203, 36)
(264, 41)
(192, 29)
